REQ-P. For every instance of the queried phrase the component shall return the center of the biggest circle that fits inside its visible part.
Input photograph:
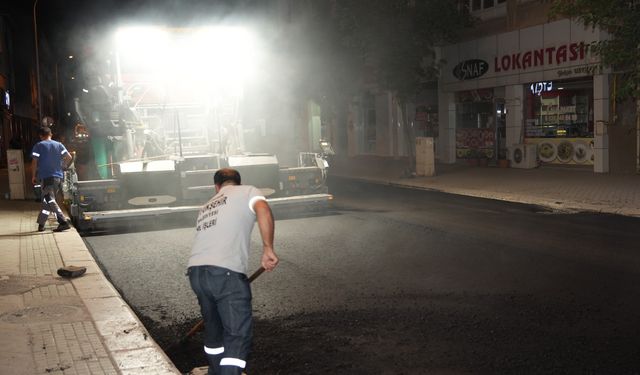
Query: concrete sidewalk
(52, 325)
(558, 188)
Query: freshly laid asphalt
(53, 325)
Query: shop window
(558, 109)
(559, 120)
(474, 109)
(475, 115)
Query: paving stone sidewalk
(52, 325)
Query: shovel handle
(195, 329)
(198, 327)
(255, 275)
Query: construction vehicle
(157, 143)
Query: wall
(501, 51)
(622, 137)
(509, 16)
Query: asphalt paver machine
(167, 114)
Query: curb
(124, 336)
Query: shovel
(198, 326)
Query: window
(562, 110)
(474, 109)
(479, 5)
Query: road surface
(399, 281)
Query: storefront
(536, 86)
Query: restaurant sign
(470, 69)
(541, 57)
(548, 57)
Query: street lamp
(35, 36)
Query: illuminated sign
(470, 69)
(540, 87)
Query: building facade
(518, 86)
(538, 85)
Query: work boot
(62, 227)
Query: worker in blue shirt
(49, 158)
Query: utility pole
(35, 36)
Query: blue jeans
(50, 187)
(225, 303)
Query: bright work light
(218, 57)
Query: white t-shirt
(223, 228)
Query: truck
(156, 137)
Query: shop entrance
(476, 126)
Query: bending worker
(218, 267)
(48, 159)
